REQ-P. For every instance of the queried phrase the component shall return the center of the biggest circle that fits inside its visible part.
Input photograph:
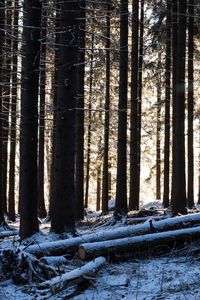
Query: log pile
(48, 263)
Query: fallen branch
(71, 245)
(127, 246)
(76, 276)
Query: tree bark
(132, 245)
(179, 201)
(78, 275)
(134, 191)
(121, 184)
(70, 246)
(167, 107)
(29, 119)
(190, 176)
(63, 206)
(105, 173)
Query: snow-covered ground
(174, 276)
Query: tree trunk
(134, 245)
(79, 189)
(6, 99)
(63, 206)
(41, 201)
(89, 124)
(179, 202)
(121, 184)
(78, 275)
(134, 191)
(2, 18)
(167, 106)
(105, 175)
(29, 119)
(11, 195)
(158, 134)
(190, 192)
(70, 245)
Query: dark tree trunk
(2, 17)
(179, 201)
(167, 106)
(11, 195)
(79, 188)
(29, 119)
(121, 184)
(158, 135)
(105, 176)
(63, 206)
(174, 70)
(190, 192)
(89, 125)
(134, 191)
(98, 203)
(140, 66)
(41, 201)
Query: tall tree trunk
(167, 106)
(89, 125)
(158, 134)
(63, 206)
(140, 83)
(29, 119)
(41, 202)
(105, 179)
(174, 71)
(2, 17)
(11, 195)
(190, 192)
(6, 100)
(121, 184)
(79, 188)
(134, 191)
(179, 203)
(54, 92)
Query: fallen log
(71, 245)
(59, 283)
(128, 245)
(8, 233)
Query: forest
(99, 149)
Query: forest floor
(171, 275)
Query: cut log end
(82, 253)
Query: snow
(175, 276)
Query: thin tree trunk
(158, 138)
(190, 192)
(6, 100)
(174, 75)
(105, 176)
(98, 206)
(134, 191)
(2, 17)
(11, 195)
(121, 184)
(89, 124)
(79, 189)
(140, 83)
(41, 201)
(167, 106)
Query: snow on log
(71, 245)
(7, 233)
(58, 283)
(129, 244)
